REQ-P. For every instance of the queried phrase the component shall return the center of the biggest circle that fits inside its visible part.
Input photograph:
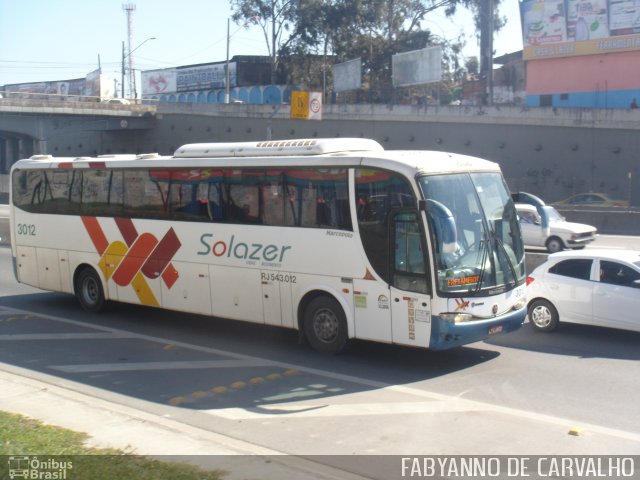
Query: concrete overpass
(26, 126)
(550, 152)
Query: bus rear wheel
(325, 325)
(88, 290)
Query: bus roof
(334, 152)
(272, 148)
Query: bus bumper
(446, 334)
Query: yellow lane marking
(220, 389)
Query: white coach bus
(337, 238)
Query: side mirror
(444, 225)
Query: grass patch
(21, 436)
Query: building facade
(581, 53)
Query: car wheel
(325, 325)
(543, 316)
(554, 244)
(88, 290)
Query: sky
(47, 40)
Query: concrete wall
(550, 153)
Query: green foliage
(23, 436)
(320, 33)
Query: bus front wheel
(88, 290)
(325, 325)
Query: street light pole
(124, 57)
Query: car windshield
(485, 253)
(552, 214)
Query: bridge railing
(50, 100)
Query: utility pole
(226, 69)
(122, 79)
(129, 8)
(486, 47)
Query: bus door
(400, 310)
(409, 290)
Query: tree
(373, 30)
(274, 17)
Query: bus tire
(88, 290)
(325, 325)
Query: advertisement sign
(562, 28)
(624, 17)
(98, 86)
(543, 22)
(204, 77)
(306, 105)
(67, 90)
(157, 82)
(347, 75)
(417, 67)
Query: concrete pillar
(4, 160)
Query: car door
(570, 288)
(616, 299)
(531, 228)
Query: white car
(116, 100)
(558, 236)
(592, 287)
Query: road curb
(113, 425)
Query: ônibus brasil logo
(139, 257)
(23, 466)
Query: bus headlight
(520, 303)
(456, 317)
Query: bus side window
(378, 192)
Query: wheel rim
(554, 246)
(541, 316)
(90, 291)
(325, 325)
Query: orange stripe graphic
(134, 259)
(170, 275)
(95, 232)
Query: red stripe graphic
(162, 255)
(95, 232)
(170, 276)
(134, 259)
(127, 229)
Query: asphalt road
(523, 393)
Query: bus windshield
(478, 247)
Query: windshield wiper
(500, 243)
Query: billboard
(65, 90)
(157, 82)
(562, 28)
(347, 75)
(204, 77)
(98, 86)
(417, 67)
